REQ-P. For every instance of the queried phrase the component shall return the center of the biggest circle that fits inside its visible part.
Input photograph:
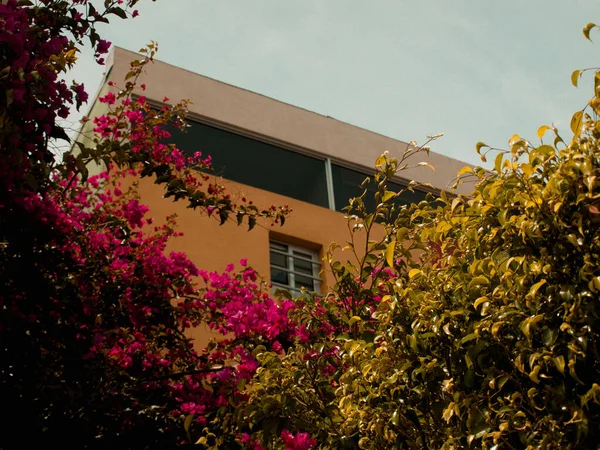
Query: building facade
(275, 154)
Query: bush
(464, 322)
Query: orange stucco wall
(212, 246)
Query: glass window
(346, 185)
(293, 268)
(258, 164)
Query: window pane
(279, 276)
(256, 163)
(303, 266)
(277, 259)
(278, 246)
(306, 282)
(302, 255)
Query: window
(275, 169)
(294, 268)
(258, 164)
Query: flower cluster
(93, 308)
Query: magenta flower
(102, 47)
(301, 441)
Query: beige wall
(276, 122)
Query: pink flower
(243, 262)
(302, 441)
(109, 99)
(80, 95)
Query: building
(275, 154)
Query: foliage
(464, 322)
(92, 314)
(458, 322)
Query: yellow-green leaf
(496, 328)
(188, 421)
(498, 162)
(514, 138)
(455, 203)
(380, 161)
(464, 170)
(527, 169)
(576, 122)
(535, 288)
(587, 29)
(413, 273)
(533, 375)
(479, 301)
(468, 337)
(479, 281)
(389, 253)
(401, 233)
(353, 320)
(528, 323)
(448, 412)
(387, 195)
(575, 77)
(479, 146)
(542, 130)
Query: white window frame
(315, 262)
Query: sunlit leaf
(479, 146)
(575, 77)
(587, 29)
(542, 131)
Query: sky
(475, 70)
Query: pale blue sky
(476, 70)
